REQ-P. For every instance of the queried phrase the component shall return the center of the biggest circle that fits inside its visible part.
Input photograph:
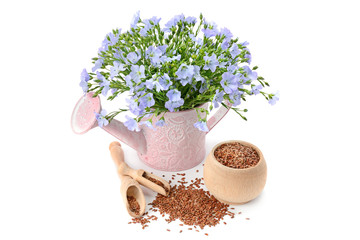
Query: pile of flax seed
(191, 204)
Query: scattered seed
(191, 204)
(247, 218)
(168, 230)
(206, 234)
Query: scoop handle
(117, 154)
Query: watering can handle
(219, 114)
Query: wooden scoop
(146, 179)
(133, 196)
(130, 189)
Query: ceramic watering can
(176, 146)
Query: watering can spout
(83, 119)
(135, 140)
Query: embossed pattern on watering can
(176, 146)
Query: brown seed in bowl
(236, 155)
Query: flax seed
(157, 182)
(133, 204)
(191, 204)
(236, 155)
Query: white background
(58, 185)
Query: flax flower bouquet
(180, 66)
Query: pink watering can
(176, 146)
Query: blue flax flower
(104, 83)
(225, 44)
(113, 38)
(100, 117)
(228, 82)
(197, 74)
(175, 100)
(148, 26)
(223, 63)
(173, 22)
(185, 73)
(165, 81)
(153, 82)
(118, 67)
(232, 68)
(204, 86)
(248, 56)
(191, 20)
(137, 73)
(160, 123)
(165, 58)
(147, 100)
(235, 96)
(98, 64)
(211, 62)
(234, 50)
(244, 43)
(218, 98)
(134, 107)
(201, 125)
(84, 86)
(133, 57)
(128, 82)
(252, 75)
(163, 48)
(139, 89)
(135, 19)
(209, 32)
(256, 89)
(149, 84)
(154, 55)
(155, 20)
(131, 124)
(274, 99)
(84, 77)
(226, 32)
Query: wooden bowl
(233, 185)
